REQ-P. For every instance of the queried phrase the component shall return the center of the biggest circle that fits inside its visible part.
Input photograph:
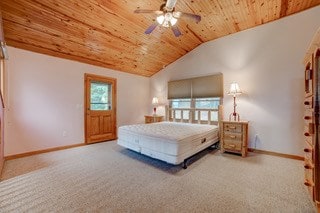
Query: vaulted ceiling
(108, 33)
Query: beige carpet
(107, 178)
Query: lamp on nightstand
(155, 102)
(234, 90)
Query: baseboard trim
(11, 157)
(21, 155)
(1, 167)
(295, 157)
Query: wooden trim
(295, 157)
(11, 157)
(1, 167)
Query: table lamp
(234, 90)
(155, 102)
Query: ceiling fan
(168, 17)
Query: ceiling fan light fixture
(173, 21)
(167, 17)
(164, 20)
(160, 19)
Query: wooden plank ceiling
(107, 33)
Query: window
(195, 99)
(207, 103)
(197, 108)
(100, 96)
(181, 104)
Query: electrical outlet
(64, 133)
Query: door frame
(101, 78)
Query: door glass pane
(101, 96)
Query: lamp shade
(155, 101)
(234, 89)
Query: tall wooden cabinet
(312, 119)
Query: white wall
(266, 61)
(45, 96)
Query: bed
(170, 141)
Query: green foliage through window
(100, 96)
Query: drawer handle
(232, 127)
(232, 136)
(307, 150)
(307, 103)
(308, 166)
(308, 183)
(203, 140)
(307, 117)
(232, 145)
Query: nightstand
(234, 137)
(153, 118)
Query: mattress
(171, 142)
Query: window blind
(200, 87)
(208, 86)
(179, 89)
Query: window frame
(193, 110)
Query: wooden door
(100, 108)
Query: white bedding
(168, 141)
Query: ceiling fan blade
(151, 28)
(158, 12)
(170, 4)
(176, 31)
(194, 17)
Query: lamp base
(236, 116)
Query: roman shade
(200, 87)
(179, 89)
(208, 86)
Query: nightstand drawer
(149, 120)
(153, 119)
(232, 136)
(228, 127)
(232, 145)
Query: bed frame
(171, 116)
